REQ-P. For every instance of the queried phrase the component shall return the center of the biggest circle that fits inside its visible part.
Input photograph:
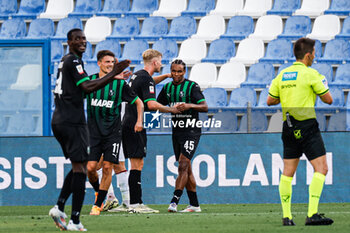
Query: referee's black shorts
(134, 144)
(303, 137)
(185, 143)
(74, 141)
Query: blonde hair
(149, 54)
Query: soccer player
(104, 123)
(189, 99)
(69, 124)
(134, 144)
(296, 88)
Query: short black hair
(302, 47)
(102, 53)
(69, 34)
(178, 62)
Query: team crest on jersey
(181, 94)
(151, 89)
(111, 93)
(80, 69)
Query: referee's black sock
(101, 197)
(177, 196)
(192, 196)
(65, 191)
(78, 187)
(135, 186)
(95, 185)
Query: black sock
(177, 196)
(65, 191)
(135, 186)
(192, 196)
(78, 187)
(101, 197)
(96, 185)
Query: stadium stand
(267, 28)
(29, 78)
(25, 124)
(342, 77)
(204, 74)
(284, 7)
(220, 51)
(228, 120)
(142, 8)
(255, 8)
(231, 75)
(278, 51)
(56, 50)
(339, 7)
(125, 28)
(65, 25)
(249, 51)
(345, 31)
(91, 68)
(296, 27)
(198, 8)
(210, 27)
(258, 123)
(321, 119)
(58, 9)
(260, 75)
(168, 48)
(29, 9)
(338, 122)
(312, 8)
(114, 8)
(13, 29)
(325, 28)
(331, 52)
(324, 69)
(181, 28)
(275, 123)
(227, 8)
(192, 51)
(7, 8)
(12, 100)
(239, 27)
(241, 96)
(41, 28)
(110, 44)
(170, 8)
(215, 97)
(338, 99)
(97, 29)
(153, 28)
(133, 50)
(86, 8)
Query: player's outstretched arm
(154, 106)
(158, 79)
(201, 107)
(139, 123)
(93, 85)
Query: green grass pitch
(213, 218)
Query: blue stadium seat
(133, 50)
(241, 96)
(41, 28)
(168, 48)
(142, 8)
(332, 52)
(260, 75)
(88, 52)
(12, 100)
(30, 9)
(181, 28)
(197, 8)
(153, 28)
(296, 26)
(239, 27)
(258, 122)
(339, 7)
(215, 97)
(324, 69)
(13, 29)
(109, 44)
(11, 76)
(321, 119)
(278, 51)
(125, 28)
(262, 102)
(33, 101)
(7, 8)
(338, 99)
(342, 76)
(284, 7)
(86, 8)
(345, 31)
(220, 51)
(228, 120)
(56, 50)
(91, 68)
(25, 124)
(283, 66)
(114, 8)
(338, 121)
(65, 25)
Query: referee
(296, 88)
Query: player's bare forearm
(140, 108)
(272, 101)
(201, 107)
(158, 79)
(93, 85)
(154, 106)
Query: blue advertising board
(229, 168)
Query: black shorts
(186, 144)
(74, 141)
(302, 137)
(134, 144)
(108, 145)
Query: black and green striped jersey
(104, 105)
(185, 92)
